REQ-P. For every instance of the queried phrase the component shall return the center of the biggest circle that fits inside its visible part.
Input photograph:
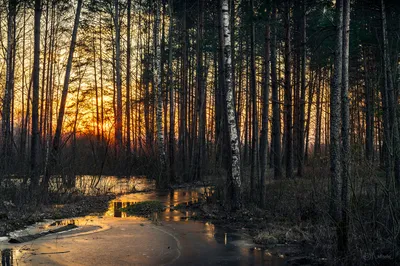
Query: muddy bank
(17, 217)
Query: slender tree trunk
(302, 104)
(369, 113)
(183, 100)
(318, 118)
(42, 94)
(265, 109)
(310, 103)
(276, 117)
(230, 106)
(35, 103)
(158, 92)
(118, 118)
(128, 83)
(202, 96)
(392, 100)
(254, 177)
(23, 84)
(101, 78)
(57, 135)
(335, 117)
(288, 98)
(9, 88)
(96, 87)
(345, 155)
(171, 149)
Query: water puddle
(234, 246)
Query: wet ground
(170, 238)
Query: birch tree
(158, 92)
(230, 106)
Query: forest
(287, 110)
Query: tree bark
(118, 118)
(254, 176)
(158, 93)
(9, 87)
(391, 102)
(265, 109)
(35, 103)
(345, 155)
(230, 106)
(288, 97)
(171, 149)
(57, 135)
(335, 117)
(128, 83)
(302, 103)
(276, 119)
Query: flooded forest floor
(13, 217)
(294, 224)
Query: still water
(202, 242)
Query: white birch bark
(157, 84)
(233, 136)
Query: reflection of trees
(117, 209)
(7, 257)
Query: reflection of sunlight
(209, 230)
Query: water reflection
(226, 244)
(7, 257)
(93, 185)
(170, 199)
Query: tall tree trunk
(345, 156)
(128, 83)
(392, 101)
(158, 92)
(42, 94)
(96, 88)
(9, 88)
(318, 118)
(23, 84)
(310, 103)
(276, 119)
(35, 103)
(265, 109)
(57, 135)
(171, 149)
(288, 97)
(118, 118)
(202, 96)
(254, 177)
(302, 103)
(183, 100)
(369, 113)
(101, 78)
(230, 106)
(335, 117)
